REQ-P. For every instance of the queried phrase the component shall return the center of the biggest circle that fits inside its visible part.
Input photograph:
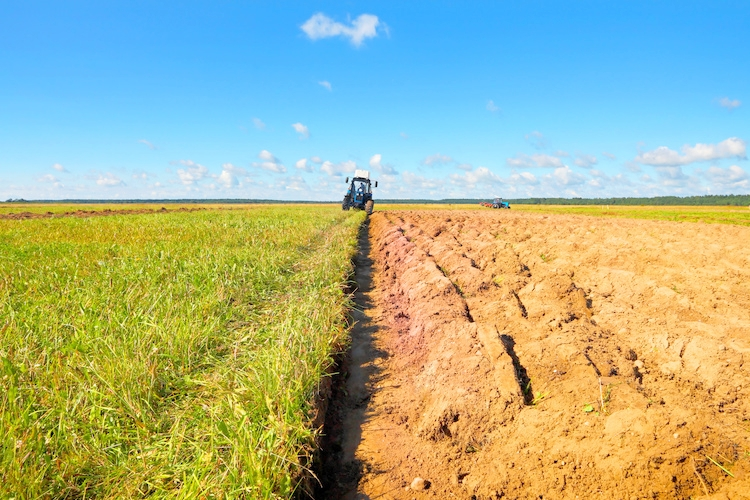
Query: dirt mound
(91, 213)
(554, 357)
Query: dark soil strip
(91, 213)
(338, 469)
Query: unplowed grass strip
(171, 356)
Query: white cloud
(609, 155)
(537, 160)
(109, 180)
(148, 144)
(59, 167)
(336, 169)
(326, 84)
(321, 26)
(672, 176)
(259, 124)
(228, 177)
(267, 156)
(414, 181)
(728, 103)
(492, 107)
(302, 130)
(465, 166)
(482, 175)
(377, 165)
(140, 174)
(566, 177)
(536, 139)
(193, 173)
(296, 183)
(437, 159)
(270, 162)
(47, 178)
(302, 164)
(561, 154)
(663, 156)
(585, 161)
(526, 178)
(632, 166)
(316, 159)
(733, 176)
(404, 135)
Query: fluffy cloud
(537, 160)
(482, 175)
(378, 166)
(585, 161)
(526, 178)
(326, 84)
(733, 176)
(47, 178)
(296, 183)
(302, 164)
(566, 177)
(465, 166)
(437, 159)
(336, 169)
(672, 176)
(316, 159)
(321, 26)
(259, 124)
(109, 180)
(270, 162)
(148, 144)
(728, 103)
(414, 181)
(228, 177)
(302, 130)
(492, 107)
(58, 167)
(193, 173)
(663, 156)
(609, 155)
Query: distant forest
(705, 200)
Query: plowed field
(515, 355)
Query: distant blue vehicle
(499, 203)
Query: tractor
(359, 195)
(496, 203)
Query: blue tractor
(499, 203)
(359, 195)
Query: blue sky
(283, 100)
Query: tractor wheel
(369, 206)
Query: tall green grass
(167, 355)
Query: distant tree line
(705, 200)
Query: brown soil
(91, 213)
(512, 355)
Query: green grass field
(171, 355)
